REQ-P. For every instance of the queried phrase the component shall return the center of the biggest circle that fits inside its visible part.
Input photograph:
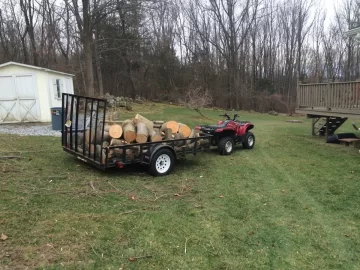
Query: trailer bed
(84, 115)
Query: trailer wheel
(161, 163)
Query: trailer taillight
(119, 165)
(198, 128)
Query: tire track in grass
(321, 223)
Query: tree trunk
(98, 65)
(89, 73)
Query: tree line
(245, 54)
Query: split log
(130, 154)
(172, 125)
(158, 122)
(184, 130)
(99, 139)
(80, 137)
(155, 136)
(100, 153)
(117, 142)
(142, 133)
(105, 144)
(194, 133)
(115, 131)
(179, 136)
(90, 148)
(139, 118)
(106, 127)
(112, 122)
(129, 131)
(89, 136)
(168, 134)
(117, 152)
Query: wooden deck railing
(329, 96)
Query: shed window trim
(58, 88)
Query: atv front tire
(226, 146)
(249, 141)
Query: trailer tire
(162, 162)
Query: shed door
(18, 101)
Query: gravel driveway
(42, 129)
(29, 129)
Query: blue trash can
(56, 115)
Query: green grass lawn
(290, 203)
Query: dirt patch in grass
(31, 257)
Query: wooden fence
(329, 96)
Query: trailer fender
(156, 148)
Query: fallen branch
(11, 157)
(141, 257)
(91, 185)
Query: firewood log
(155, 136)
(89, 136)
(115, 131)
(105, 144)
(80, 137)
(194, 133)
(100, 153)
(158, 122)
(116, 142)
(184, 130)
(90, 148)
(139, 118)
(106, 127)
(168, 133)
(130, 155)
(99, 134)
(142, 133)
(179, 136)
(172, 125)
(129, 131)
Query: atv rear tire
(249, 141)
(226, 146)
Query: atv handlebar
(228, 116)
(225, 115)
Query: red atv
(230, 132)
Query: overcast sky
(328, 5)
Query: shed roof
(34, 67)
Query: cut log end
(174, 126)
(184, 130)
(115, 131)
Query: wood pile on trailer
(134, 131)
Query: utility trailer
(83, 116)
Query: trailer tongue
(83, 127)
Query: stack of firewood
(133, 131)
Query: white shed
(28, 92)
